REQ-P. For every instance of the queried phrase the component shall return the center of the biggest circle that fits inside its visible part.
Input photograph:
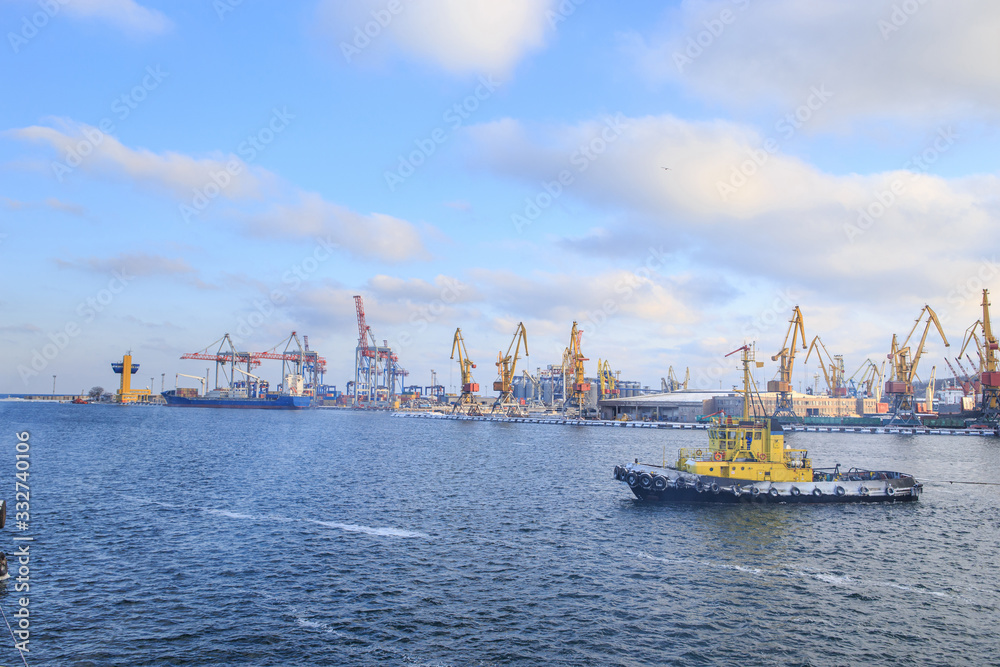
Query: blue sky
(170, 172)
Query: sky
(674, 176)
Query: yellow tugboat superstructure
(747, 448)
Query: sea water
(165, 536)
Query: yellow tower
(127, 369)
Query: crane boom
(904, 369)
(786, 362)
(507, 367)
(580, 386)
(817, 345)
(467, 401)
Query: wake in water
(833, 579)
(379, 531)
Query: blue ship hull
(279, 402)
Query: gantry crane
(989, 375)
(899, 389)
(506, 367)
(580, 386)
(786, 361)
(467, 401)
(227, 360)
(608, 383)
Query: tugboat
(746, 460)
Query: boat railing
(796, 458)
(696, 453)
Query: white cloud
(84, 147)
(791, 226)
(128, 15)
(883, 58)
(374, 236)
(457, 35)
(290, 211)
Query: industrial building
(688, 406)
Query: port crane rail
(786, 362)
(899, 389)
(467, 402)
(506, 367)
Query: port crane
(580, 385)
(671, 383)
(989, 374)
(929, 397)
(302, 369)
(870, 379)
(506, 367)
(227, 359)
(832, 367)
(899, 389)
(786, 362)
(608, 383)
(964, 384)
(374, 364)
(467, 401)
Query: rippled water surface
(217, 537)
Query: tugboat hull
(657, 484)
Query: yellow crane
(580, 385)
(929, 396)
(467, 401)
(870, 378)
(506, 367)
(832, 367)
(989, 377)
(609, 387)
(671, 383)
(786, 361)
(904, 369)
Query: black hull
(659, 484)
(689, 495)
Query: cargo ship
(746, 460)
(223, 399)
